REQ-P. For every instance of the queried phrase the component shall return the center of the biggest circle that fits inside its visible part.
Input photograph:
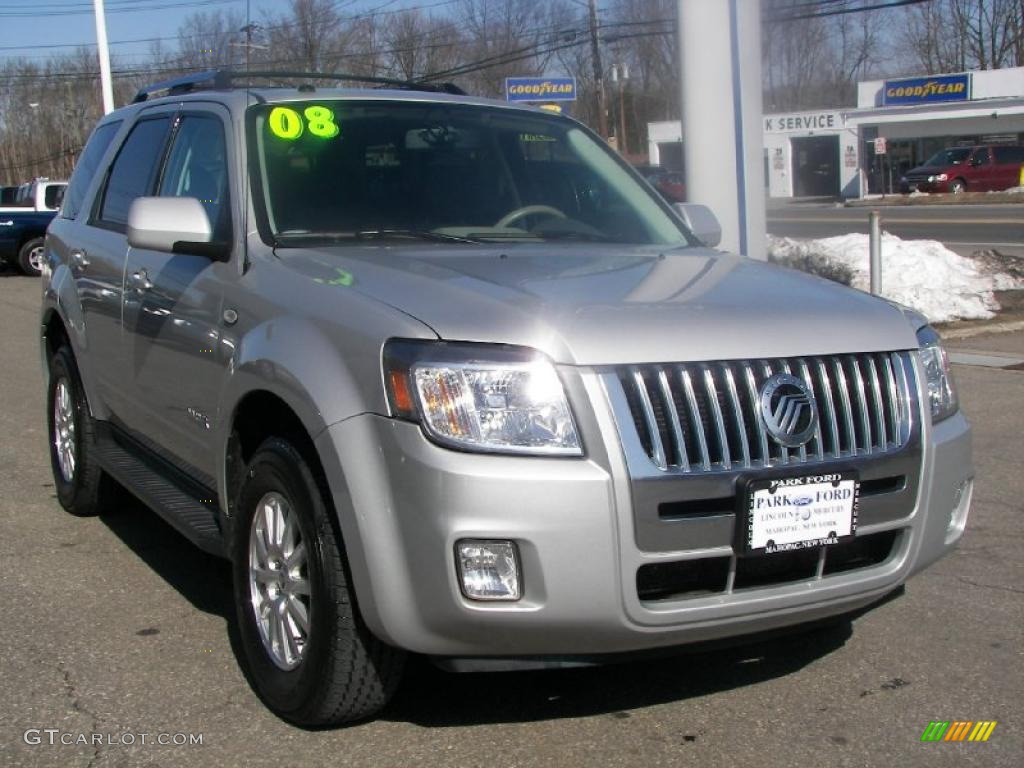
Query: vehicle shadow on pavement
(202, 579)
(430, 697)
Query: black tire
(30, 257)
(957, 186)
(87, 491)
(343, 673)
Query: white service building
(833, 152)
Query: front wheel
(957, 186)
(310, 656)
(31, 257)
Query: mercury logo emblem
(788, 410)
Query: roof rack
(225, 78)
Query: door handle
(79, 259)
(140, 281)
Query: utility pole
(595, 48)
(104, 51)
(248, 29)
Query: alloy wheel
(278, 581)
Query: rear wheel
(82, 488)
(310, 656)
(957, 186)
(31, 257)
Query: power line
(362, 15)
(844, 11)
(169, 4)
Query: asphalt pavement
(964, 229)
(116, 629)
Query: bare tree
(957, 35)
(417, 44)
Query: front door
(175, 344)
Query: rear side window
(86, 167)
(134, 171)
(1010, 155)
(53, 195)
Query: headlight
(486, 398)
(941, 177)
(938, 377)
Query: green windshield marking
(285, 123)
(344, 279)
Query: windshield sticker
(286, 123)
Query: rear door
(97, 250)
(175, 345)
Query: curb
(979, 330)
(967, 198)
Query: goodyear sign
(926, 90)
(540, 89)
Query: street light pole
(104, 51)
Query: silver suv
(443, 375)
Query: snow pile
(922, 274)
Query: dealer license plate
(796, 512)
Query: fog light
(488, 570)
(961, 506)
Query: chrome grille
(705, 417)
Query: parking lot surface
(117, 631)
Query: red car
(962, 169)
(669, 183)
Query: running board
(188, 508)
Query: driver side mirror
(174, 225)
(701, 221)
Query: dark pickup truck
(21, 238)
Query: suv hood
(601, 304)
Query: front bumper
(403, 502)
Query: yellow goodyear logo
(958, 730)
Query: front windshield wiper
(573, 234)
(419, 234)
(286, 238)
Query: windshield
(949, 156)
(348, 171)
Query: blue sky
(28, 25)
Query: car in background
(37, 195)
(670, 184)
(967, 169)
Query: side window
(86, 167)
(980, 157)
(1009, 154)
(53, 195)
(133, 173)
(197, 167)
